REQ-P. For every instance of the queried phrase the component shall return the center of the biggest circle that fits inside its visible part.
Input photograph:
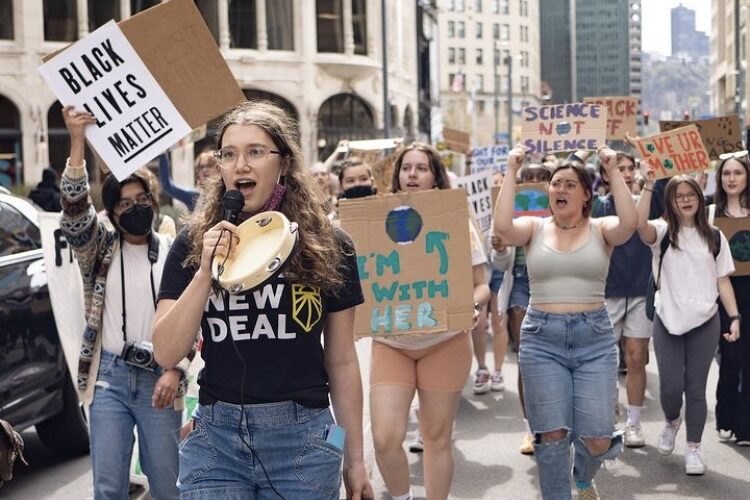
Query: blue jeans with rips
(122, 401)
(569, 368)
(289, 453)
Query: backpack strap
(663, 245)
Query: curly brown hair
(318, 261)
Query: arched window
(344, 116)
(58, 143)
(10, 143)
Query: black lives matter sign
(104, 75)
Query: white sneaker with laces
(417, 446)
(482, 382)
(668, 435)
(694, 465)
(634, 436)
(497, 382)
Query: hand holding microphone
(222, 239)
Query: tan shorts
(628, 317)
(443, 367)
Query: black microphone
(231, 205)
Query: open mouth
(245, 186)
(561, 203)
(412, 184)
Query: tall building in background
(558, 61)
(729, 54)
(590, 48)
(686, 41)
(482, 44)
(321, 60)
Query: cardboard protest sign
(456, 140)
(720, 135)
(622, 113)
(679, 151)
(563, 127)
(531, 199)
(414, 258)
(494, 158)
(478, 187)
(149, 81)
(737, 232)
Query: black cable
(225, 301)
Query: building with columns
(320, 59)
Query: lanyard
(122, 281)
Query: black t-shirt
(276, 328)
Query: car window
(17, 233)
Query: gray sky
(656, 22)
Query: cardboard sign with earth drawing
(720, 135)
(531, 199)
(563, 127)
(414, 257)
(737, 232)
(678, 151)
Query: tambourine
(267, 240)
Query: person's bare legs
(499, 334)
(515, 318)
(479, 339)
(437, 411)
(636, 354)
(389, 416)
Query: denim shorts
(569, 368)
(519, 294)
(288, 439)
(496, 280)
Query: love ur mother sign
(679, 151)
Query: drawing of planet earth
(740, 246)
(403, 224)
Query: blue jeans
(289, 453)
(569, 368)
(519, 294)
(122, 400)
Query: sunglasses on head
(735, 154)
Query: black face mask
(138, 220)
(358, 192)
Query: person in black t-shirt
(263, 423)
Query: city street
(487, 462)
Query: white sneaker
(667, 437)
(694, 461)
(634, 436)
(497, 383)
(417, 446)
(482, 382)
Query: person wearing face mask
(434, 366)
(263, 427)
(117, 376)
(355, 178)
(732, 200)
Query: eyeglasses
(735, 154)
(566, 186)
(125, 204)
(685, 196)
(228, 157)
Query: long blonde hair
(318, 260)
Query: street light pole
(510, 99)
(496, 63)
(386, 104)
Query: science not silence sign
(563, 127)
(414, 260)
(148, 81)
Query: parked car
(35, 386)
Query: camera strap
(122, 281)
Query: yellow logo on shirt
(307, 308)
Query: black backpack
(651, 292)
